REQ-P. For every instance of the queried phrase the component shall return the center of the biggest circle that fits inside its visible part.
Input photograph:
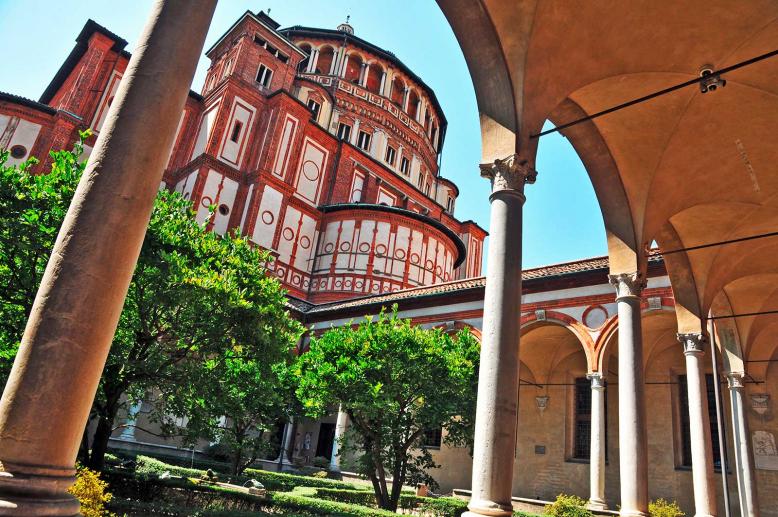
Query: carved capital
(510, 173)
(693, 343)
(735, 380)
(598, 380)
(627, 284)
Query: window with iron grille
(264, 76)
(432, 438)
(315, 108)
(683, 407)
(363, 140)
(582, 431)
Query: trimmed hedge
(434, 506)
(149, 468)
(320, 507)
(360, 497)
(287, 482)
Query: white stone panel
(345, 245)
(288, 234)
(364, 245)
(306, 240)
(386, 198)
(381, 247)
(26, 134)
(400, 251)
(357, 184)
(282, 155)
(226, 198)
(232, 151)
(267, 217)
(105, 101)
(186, 185)
(204, 133)
(311, 172)
(246, 208)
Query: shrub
(568, 506)
(320, 507)
(662, 508)
(321, 462)
(360, 497)
(286, 482)
(91, 492)
(150, 468)
(434, 506)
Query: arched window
(324, 63)
(398, 90)
(374, 78)
(353, 68)
(413, 104)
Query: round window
(18, 152)
(224, 209)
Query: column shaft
(597, 446)
(340, 429)
(46, 401)
(496, 422)
(744, 460)
(633, 455)
(699, 426)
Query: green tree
(245, 398)
(32, 208)
(396, 381)
(194, 295)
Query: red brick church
(313, 143)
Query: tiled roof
(550, 271)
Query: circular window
(18, 152)
(224, 209)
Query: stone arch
(578, 329)
(607, 339)
(457, 325)
(398, 90)
(325, 60)
(353, 72)
(374, 76)
(413, 103)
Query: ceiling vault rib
(742, 315)
(659, 93)
(722, 243)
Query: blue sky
(562, 220)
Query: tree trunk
(100, 441)
(83, 449)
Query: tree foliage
(396, 381)
(197, 306)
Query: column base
(632, 513)
(30, 490)
(481, 508)
(597, 504)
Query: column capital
(628, 284)
(597, 379)
(693, 343)
(510, 173)
(735, 380)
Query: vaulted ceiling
(685, 168)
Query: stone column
(633, 454)
(49, 392)
(340, 429)
(699, 425)
(495, 427)
(597, 444)
(286, 443)
(744, 460)
(128, 433)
